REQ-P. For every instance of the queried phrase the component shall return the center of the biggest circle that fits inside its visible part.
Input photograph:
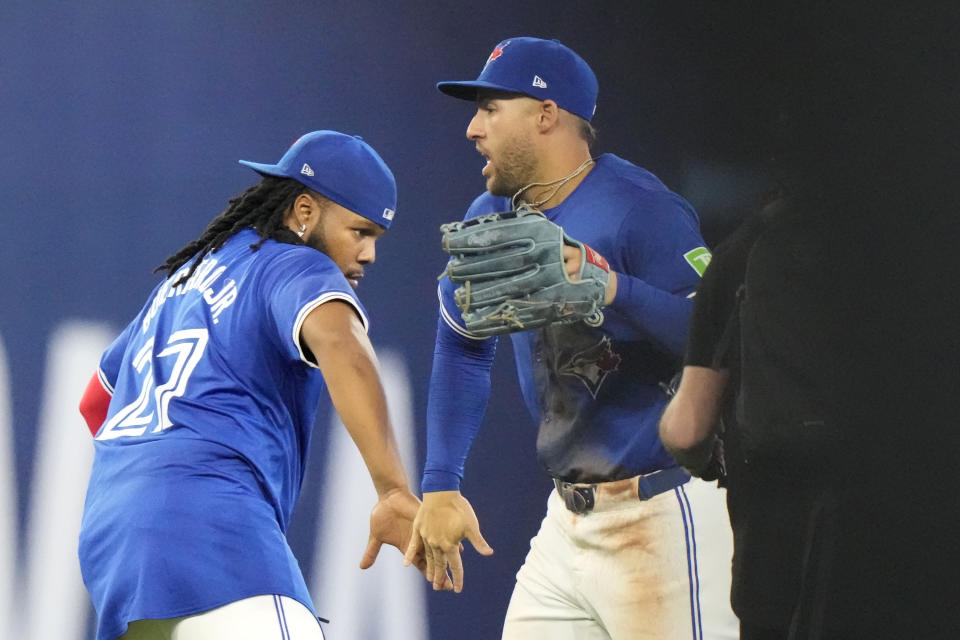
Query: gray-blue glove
(511, 276)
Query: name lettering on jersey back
(203, 280)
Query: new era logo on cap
(538, 82)
(306, 170)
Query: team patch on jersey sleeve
(698, 258)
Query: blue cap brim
(266, 169)
(467, 90)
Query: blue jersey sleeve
(663, 256)
(297, 283)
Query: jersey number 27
(149, 410)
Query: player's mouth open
(487, 163)
(487, 166)
(354, 278)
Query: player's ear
(548, 115)
(303, 211)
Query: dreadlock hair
(262, 207)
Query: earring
(303, 228)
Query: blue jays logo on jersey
(592, 365)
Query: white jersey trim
(313, 304)
(453, 323)
(104, 382)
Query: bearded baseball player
(589, 264)
(203, 407)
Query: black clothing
(768, 514)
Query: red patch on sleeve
(94, 404)
(596, 259)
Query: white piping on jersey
(453, 323)
(104, 382)
(313, 304)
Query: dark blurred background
(122, 123)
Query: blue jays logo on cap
(340, 167)
(496, 53)
(541, 69)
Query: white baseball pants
(265, 617)
(629, 569)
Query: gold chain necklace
(561, 181)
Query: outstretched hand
(391, 523)
(444, 519)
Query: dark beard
(317, 240)
(515, 169)
(283, 234)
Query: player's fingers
(447, 583)
(428, 560)
(476, 539)
(456, 569)
(371, 553)
(436, 566)
(571, 260)
(420, 562)
(413, 547)
(439, 570)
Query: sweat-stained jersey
(595, 391)
(201, 457)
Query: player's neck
(558, 180)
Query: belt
(581, 498)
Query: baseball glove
(511, 276)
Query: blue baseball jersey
(201, 457)
(594, 391)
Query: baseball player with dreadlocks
(631, 547)
(202, 408)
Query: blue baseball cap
(541, 69)
(344, 169)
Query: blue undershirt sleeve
(662, 316)
(457, 400)
(660, 260)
